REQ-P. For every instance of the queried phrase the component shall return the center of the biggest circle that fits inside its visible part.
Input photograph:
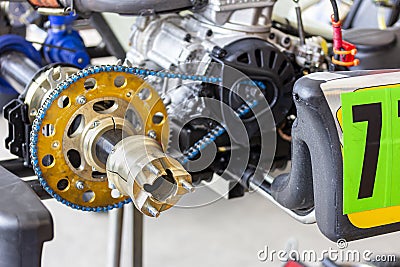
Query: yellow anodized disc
(101, 100)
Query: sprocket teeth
(37, 123)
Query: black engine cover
(377, 49)
(263, 62)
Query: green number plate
(371, 148)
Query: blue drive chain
(211, 136)
(190, 154)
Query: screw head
(81, 100)
(80, 185)
(219, 52)
(33, 112)
(272, 35)
(115, 193)
(55, 144)
(152, 134)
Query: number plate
(370, 120)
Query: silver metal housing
(239, 15)
(167, 41)
(138, 167)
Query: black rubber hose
(348, 22)
(394, 15)
(335, 10)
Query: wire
(336, 20)
(335, 10)
(394, 15)
(53, 46)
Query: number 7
(372, 113)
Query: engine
(230, 34)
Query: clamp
(344, 51)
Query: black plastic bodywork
(316, 177)
(25, 223)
